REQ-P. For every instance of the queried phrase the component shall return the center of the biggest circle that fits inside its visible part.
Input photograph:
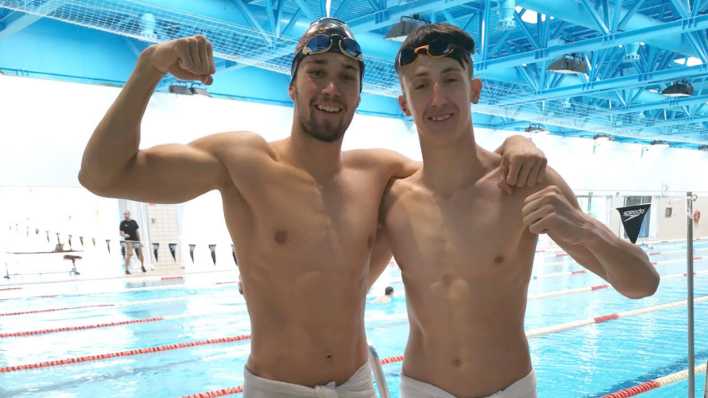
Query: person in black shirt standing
(129, 232)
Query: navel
(498, 259)
(281, 236)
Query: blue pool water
(589, 361)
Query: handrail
(375, 365)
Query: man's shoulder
(376, 157)
(402, 189)
(231, 140)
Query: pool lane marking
(223, 340)
(654, 384)
(585, 271)
(122, 278)
(608, 317)
(111, 355)
(80, 327)
(594, 288)
(55, 309)
(217, 393)
(29, 333)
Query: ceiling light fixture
(681, 88)
(572, 64)
(404, 27)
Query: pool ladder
(375, 365)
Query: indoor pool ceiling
(634, 49)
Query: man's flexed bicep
(174, 173)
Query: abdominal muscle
(468, 340)
(307, 328)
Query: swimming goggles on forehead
(334, 36)
(323, 43)
(435, 48)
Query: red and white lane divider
(558, 293)
(595, 288)
(80, 327)
(565, 273)
(654, 384)
(584, 271)
(217, 393)
(567, 292)
(55, 309)
(121, 305)
(170, 347)
(111, 355)
(209, 286)
(608, 317)
(75, 328)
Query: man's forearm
(117, 138)
(626, 266)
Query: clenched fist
(549, 211)
(188, 58)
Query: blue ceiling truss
(634, 49)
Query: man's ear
(475, 90)
(404, 105)
(291, 90)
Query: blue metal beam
(575, 13)
(391, 15)
(565, 122)
(24, 21)
(677, 122)
(525, 74)
(484, 29)
(668, 103)
(270, 14)
(613, 40)
(680, 8)
(254, 22)
(629, 14)
(306, 9)
(378, 19)
(696, 7)
(616, 16)
(525, 29)
(700, 47)
(593, 14)
(624, 82)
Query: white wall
(46, 125)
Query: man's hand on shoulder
(523, 163)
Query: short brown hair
(450, 33)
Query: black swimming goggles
(435, 48)
(335, 36)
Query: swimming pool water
(585, 362)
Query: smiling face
(437, 92)
(326, 94)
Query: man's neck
(322, 160)
(451, 166)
